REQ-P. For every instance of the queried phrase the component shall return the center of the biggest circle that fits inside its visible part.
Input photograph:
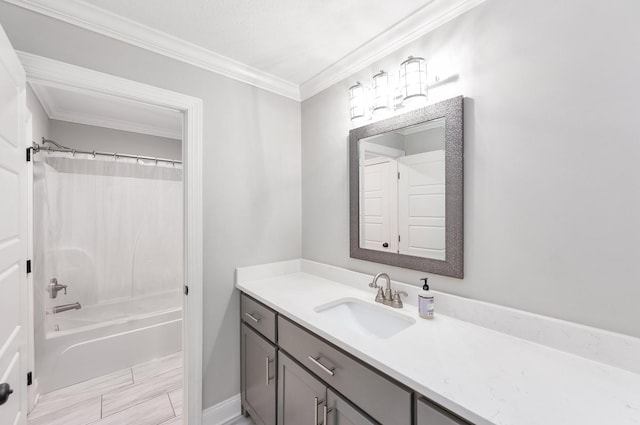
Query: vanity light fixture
(357, 101)
(413, 80)
(381, 93)
(390, 92)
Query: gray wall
(89, 137)
(552, 212)
(424, 141)
(251, 158)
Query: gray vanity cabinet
(429, 414)
(291, 376)
(301, 396)
(383, 400)
(340, 412)
(258, 377)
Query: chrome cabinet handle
(326, 411)
(252, 317)
(266, 366)
(321, 366)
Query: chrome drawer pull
(266, 366)
(321, 366)
(315, 410)
(326, 421)
(252, 317)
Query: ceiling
(295, 48)
(291, 39)
(109, 112)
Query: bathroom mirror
(406, 190)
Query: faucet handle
(397, 301)
(380, 295)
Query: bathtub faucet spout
(66, 307)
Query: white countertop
(483, 375)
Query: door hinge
(398, 175)
(29, 154)
(29, 378)
(398, 238)
(28, 266)
(186, 289)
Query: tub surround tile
(176, 397)
(118, 400)
(81, 413)
(56, 400)
(151, 412)
(157, 367)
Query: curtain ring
(115, 156)
(73, 153)
(137, 159)
(94, 154)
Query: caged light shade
(357, 101)
(381, 92)
(413, 80)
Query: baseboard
(226, 412)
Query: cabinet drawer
(431, 414)
(382, 399)
(259, 317)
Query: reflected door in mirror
(402, 191)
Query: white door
(379, 206)
(421, 206)
(13, 237)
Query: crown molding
(93, 18)
(425, 20)
(123, 125)
(54, 112)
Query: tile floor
(147, 394)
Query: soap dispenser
(425, 301)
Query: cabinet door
(258, 377)
(339, 412)
(430, 414)
(301, 397)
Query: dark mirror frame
(452, 111)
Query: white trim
(226, 412)
(101, 21)
(55, 113)
(96, 19)
(62, 75)
(416, 25)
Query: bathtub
(107, 337)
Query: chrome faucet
(66, 307)
(55, 287)
(387, 297)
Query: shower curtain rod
(59, 148)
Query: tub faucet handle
(55, 287)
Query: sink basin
(365, 318)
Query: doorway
(120, 381)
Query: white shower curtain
(109, 228)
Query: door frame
(54, 73)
